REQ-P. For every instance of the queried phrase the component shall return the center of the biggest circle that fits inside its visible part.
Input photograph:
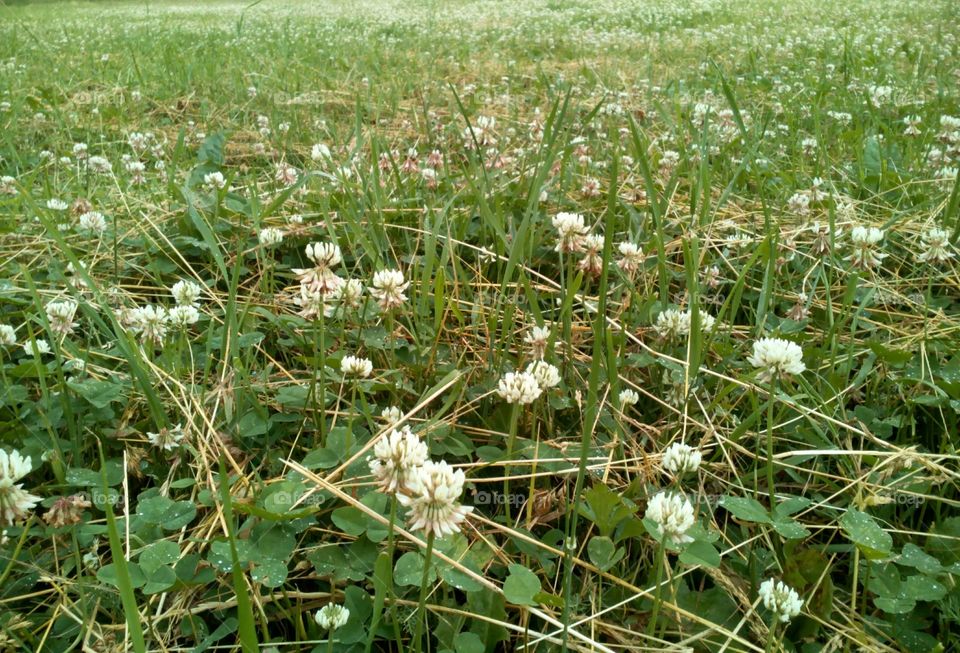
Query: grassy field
(480, 326)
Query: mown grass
(737, 143)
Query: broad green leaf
(605, 508)
(521, 585)
(701, 552)
(895, 605)
(108, 574)
(790, 529)
(468, 643)
(99, 393)
(746, 509)
(158, 554)
(269, 572)
(350, 520)
(603, 552)
(409, 569)
(863, 531)
(923, 588)
(913, 556)
(159, 580)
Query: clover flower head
(397, 456)
(679, 459)
(519, 388)
(673, 516)
(780, 599)
(776, 357)
(434, 501)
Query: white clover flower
(388, 287)
(669, 160)
(180, 317)
(571, 232)
(947, 174)
(592, 262)
(286, 174)
(137, 141)
(270, 236)
(398, 456)
(537, 339)
(391, 414)
(186, 292)
(60, 316)
(679, 459)
(356, 366)
(434, 504)
(15, 502)
(150, 322)
(519, 388)
(100, 165)
(310, 300)
(136, 170)
(673, 323)
(38, 347)
(799, 203)
(936, 243)
(673, 516)
(912, 125)
(8, 335)
(591, 187)
(320, 152)
(321, 278)
(80, 150)
(864, 241)
(628, 397)
(56, 204)
(347, 296)
(780, 599)
(324, 255)
(75, 365)
(880, 94)
(776, 357)
(8, 185)
(332, 616)
(546, 375)
(167, 439)
(93, 222)
(214, 180)
(631, 257)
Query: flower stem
(319, 416)
(424, 586)
(511, 442)
(392, 608)
(661, 563)
(770, 488)
(771, 637)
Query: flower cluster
(429, 490)
(672, 515)
(776, 358)
(679, 459)
(519, 388)
(15, 502)
(434, 500)
(781, 599)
